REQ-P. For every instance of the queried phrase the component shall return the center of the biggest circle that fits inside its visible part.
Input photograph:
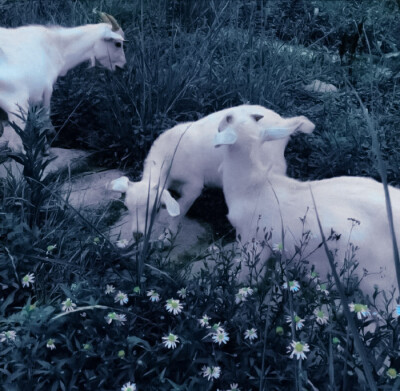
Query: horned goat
(351, 209)
(32, 58)
(183, 159)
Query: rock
(66, 159)
(90, 190)
(320, 86)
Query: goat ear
(300, 124)
(270, 134)
(121, 184)
(172, 205)
(288, 127)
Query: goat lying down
(183, 159)
(262, 198)
(32, 58)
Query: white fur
(195, 165)
(258, 197)
(32, 58)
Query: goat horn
(107, 18)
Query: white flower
(250, 334)
(297, 320)
(50, 344)
(153, 295)
(129, 387)
(28, 279)
(114, 316)
(204, 321)
(121, 297)
(294, 286)
(322, 288)
(173, 306)
(122, 243)
(245, 291)
(121, 318)
(109, 289)
(68, 305)
(360, 309)
(216, 327)
(320, 317)
(9, 335)
(221, 336)
(170, 341)
(182, 293)
(239, 298)
(50, 248)
(392, 373)
(298, 349)
(211, 372)
(234, 387)
(277, 248)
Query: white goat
(194, 166)
(258, 198)
(32, 58)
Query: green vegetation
(78, 312)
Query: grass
(186, 60)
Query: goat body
(260, 200)
(183, 159)
(32, 58)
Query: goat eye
(118, 44)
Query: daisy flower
(245, 291)
(121, 297)
(277, 248)
(122, 243)
(391, 373)
(109, 289)
(298, 349)
(320, 317)
(239, 298)
(204, 321)
(211, 372)
(28, 279)
(50, 248)
(153, 295)
(221, 336)
(360, 309)
(170, 341)
(182, 293)
(121, 318)
(9, 335)
(322, 288)
(68, 305)
(216, 327)
(173, 306)
(234, 387)
(129, 387)
(294, 286)
(50, 344)
(250, 334)
(297, 320)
